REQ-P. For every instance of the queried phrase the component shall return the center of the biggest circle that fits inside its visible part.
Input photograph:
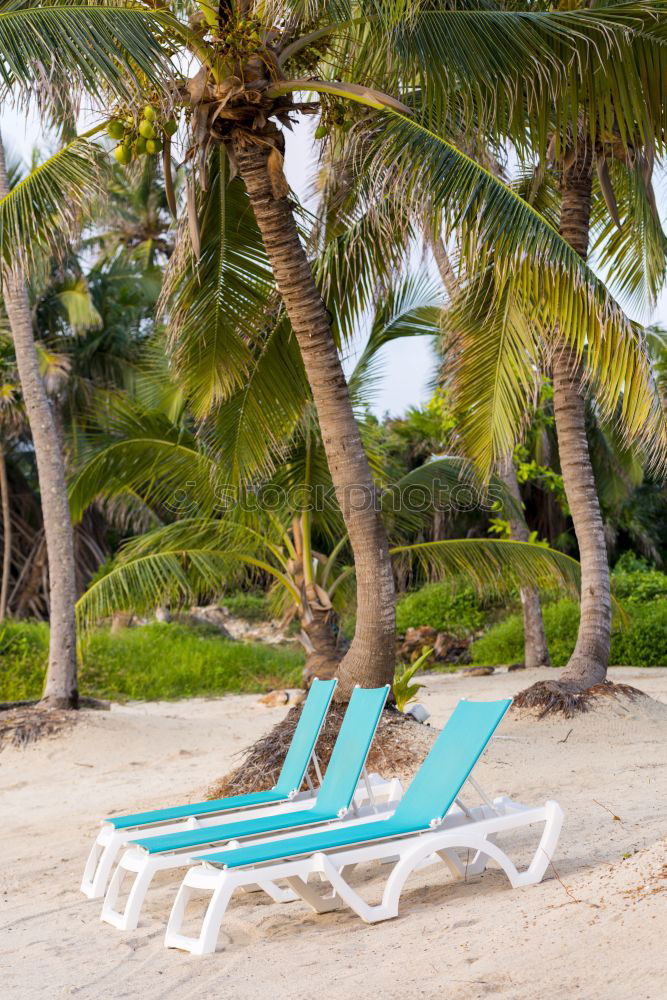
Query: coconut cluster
(144, 138)
(335, 115)
(244, 38)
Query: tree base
(563, 698)
(61, 702)
(399, 747)
(20, 726)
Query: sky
(407, 365)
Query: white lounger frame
(110, 841)
(461, 830)
(374, 796)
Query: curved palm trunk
(60, 687)
(370, 660)
(536, 652)
(6, 535)
(589, 661)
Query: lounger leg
(479, 861)
(128, 918)
(99, 864)
(317, 902)
(546, 847)
(215, 911)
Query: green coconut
(147, 130)
(153, 146)
(123, 154)
(116, 129)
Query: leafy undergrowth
(148, 662)
(641, 641)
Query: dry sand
(597, 929)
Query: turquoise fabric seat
(338, 785)
(289, 781)
(429, 797)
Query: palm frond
(491, 362)
(50, 204)
(144, 453)
(495, 565)
(526, 71)
(86, 46)
(183, 562)
(217, 301)
(251, 430)
(409, 308)
(449, 485)
(634, 255)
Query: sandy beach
(594, 928)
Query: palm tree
(60, 688)
(68, 51)
(603, 167)
(621, 117)
(519, 338)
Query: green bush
(157, 661)
(441, 607)
(24, 653)
(635, 582)
(252, 607)
(644, 642)
(641, 642)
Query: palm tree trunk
(370, 660)
(60, 688)
(6, 535)
(323, 654)
(589, 661)
(536, 652)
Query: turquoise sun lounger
(425, 825)
(117, 830)
(147, 855)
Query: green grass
(251, 607)
(157, 661)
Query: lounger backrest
(305, 736)
(449, 762)
(351, 749)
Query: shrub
(441, 607)
(635, 582)
(252, 607)
(24, 654)
(153, 661)
(642, 642)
